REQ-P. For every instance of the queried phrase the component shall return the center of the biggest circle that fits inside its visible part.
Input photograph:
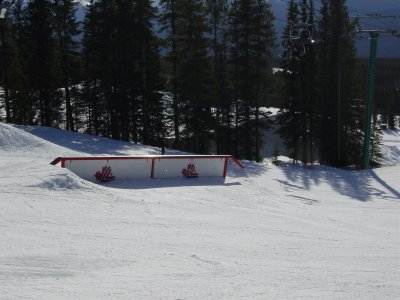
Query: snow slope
(391, 147)
(268, 232)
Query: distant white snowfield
(268, 232)
(83, 2)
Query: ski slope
(267, 232)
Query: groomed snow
(268, 232)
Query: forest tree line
(193, 74)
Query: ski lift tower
(374, 34)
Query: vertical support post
(370, 99)
(152, 168)
(225, 167)
(62, 163)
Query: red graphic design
(190, 171)
(104, 175)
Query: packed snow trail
(266, 233)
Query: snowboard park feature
(148, 166)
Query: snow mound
(15, 141)
(63, 180)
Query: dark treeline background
(194, 74)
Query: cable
(372, 25)
(365, 13)
(384, 26)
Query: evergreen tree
(252, 40)
(22, 111)
(123, 71)
(168, 20)
(288, 118)
(5, 65)
(67, 29)
(307, 83)
(323, 50)
(18, 107)
(217, 11)
(41, 65)
(340, 121)
(376, 154)
(299, 116)
(151, 85)
(93, 45)
(264, 44)
(193, 75)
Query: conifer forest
(197, 75)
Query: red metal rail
(229, 157)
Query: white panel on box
(108, 170)
(192, 167)
(210, 167)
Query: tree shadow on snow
(86, 143)
(353, 184)
(298, 177)
(251, 169)
(384, 184)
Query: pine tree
(307, 83)
(217, 11)
(298, 115)
(323, 49)
(340, 122)
(288, 118)
(67, 30)
(93, 97)
(151, 85)
(376, 154)
(123, 71)
(18, 106)
(168, 20)
(42, 61)
(22, 111)
(5, 65)
(264, 44)
(252, 40)
(193, 75)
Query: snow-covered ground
(391, 147)
(267, 232)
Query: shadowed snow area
(88, 144)
(267, 232)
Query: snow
(268, 232)
(391, 147)
(83, 2)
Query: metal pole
(370, 99)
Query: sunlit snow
(268, 232)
